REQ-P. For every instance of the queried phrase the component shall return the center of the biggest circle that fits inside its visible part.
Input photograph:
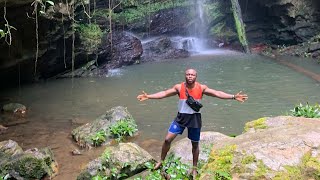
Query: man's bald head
(191, 76)
(190, 70)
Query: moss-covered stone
(219, 163)
(86, 135)
(309, 168)
(256, 124)
(261, 171)
(30, 164)
(248, 159)
(124, 159)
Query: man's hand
(143, 96)
(241, 97)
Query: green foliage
(206, 149)
(248, 159)
(220, 162)
(172, 167)
(99, 138)
(89, 31)
(307, 111)
(213, 10)
(90, 35)
(43, 5)
(98, 177)
(309, 168)
(290, 172)
(239, 24)
(109, 169)
(138, 13)
(220, 30)
(311, 165)
(261, 171)
(123, 128)
(31, 168)
(256, 124)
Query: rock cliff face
(282, 22)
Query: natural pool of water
(55, 107)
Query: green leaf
(2, 33)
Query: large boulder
(125, 159)
(30, 164)
(126, 49)
(162, 48)
(183, 147)
(83, 134)
(15, 108)
(271, 148)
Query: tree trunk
(236, 9)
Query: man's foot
(194, 174)
(158, 165)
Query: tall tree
(236, 9)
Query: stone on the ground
(29, 164)
(14, 108)
(281, 147)
(123, 159)
(183, 147)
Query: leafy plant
(98, 177)
(89, 31)
(123, 128)
(172, 167)
(307, 111)
(256, 124)
(99, 138)
(222, 175)
(136, 13)
(206, 149)
(220, 163)
(44, 4)
(5, 177)
(90, 35)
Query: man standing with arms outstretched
(187, 116)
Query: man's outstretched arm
(159, 95)
(222, 95)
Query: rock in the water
(83, 134)
(15, 108)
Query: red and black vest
(187, 117)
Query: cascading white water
(195, 43)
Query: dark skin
(190, 78)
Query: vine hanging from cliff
(42, 10)
(6, 33)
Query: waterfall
(195, 43)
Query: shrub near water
(307, 111)
(172, 168)
(123, 128)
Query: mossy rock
(83, 134)
(123, 159)
(30, 164)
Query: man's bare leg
(195, 155)
(165, 148)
